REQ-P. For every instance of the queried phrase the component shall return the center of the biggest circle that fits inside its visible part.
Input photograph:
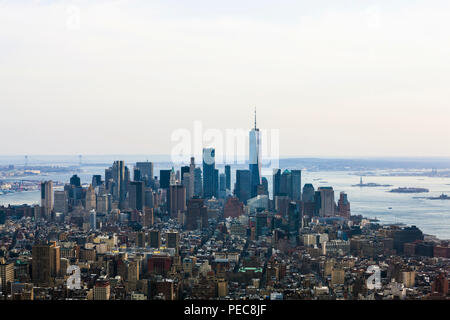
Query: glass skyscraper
(254, 159)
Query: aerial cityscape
(234, 158)
(190, 233)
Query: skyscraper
(308, 193)
(327, 205)
(294, 221)
(91, 200)
(254, 159)
(228, 177)
(154, 239)
(186, 182)
(197, 214)
(92, 220)
(276, 183)
(191, 183)
(176, 200)
(75, 181)
(96, 180)
(46, 259)
(146, 169)
(136, 195)
(120, 176)
(209, 183)
(47, 198)
(136, 174)
(173, 178)
(61, 201)
(164, 179)
(343, 205)
(222, 185)
(173, 240)
(198, 182)
(296, 188)
(6, 276)
(184, 169)
(243, 185)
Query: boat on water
(441, 197)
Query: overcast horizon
(340, 79)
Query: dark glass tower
(184, 169)
(254, 159)
(164, 179)
(228, 177)
(308, 193)
(210, 185)
(296, 188)
(276, 182)
(243, 185)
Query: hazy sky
(338, 78)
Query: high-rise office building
(104, 203)
(120, 177)
(196, 215)
(173, 239)
(308, 193)
(222, 185)
(6, 276)
(254, 159)
(191, 184)
(186, 182)
(276, 180)
(183, 170)
(164, 179)
(136, 174)
(91, 199)
(209, 183)
(146, 170)
(46, 259)
(286, 183)
(47, 198)
(343, 205)
(61, 201)
(294, 220)
(228, 177)
(243, 186)
(92, 220)
(265, 185)
(317, 203)
(198, 182)
(216, 183)
(154, 239)
(136, 195)
(102, 290)
(296, 188)
(148, 217)
(96, 180)
(327, 205)
(141, 239)
(75, 181)
(173, 178)
(176, 200)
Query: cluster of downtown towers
(178, 188)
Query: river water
(431, 216)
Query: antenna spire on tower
(255, 117)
